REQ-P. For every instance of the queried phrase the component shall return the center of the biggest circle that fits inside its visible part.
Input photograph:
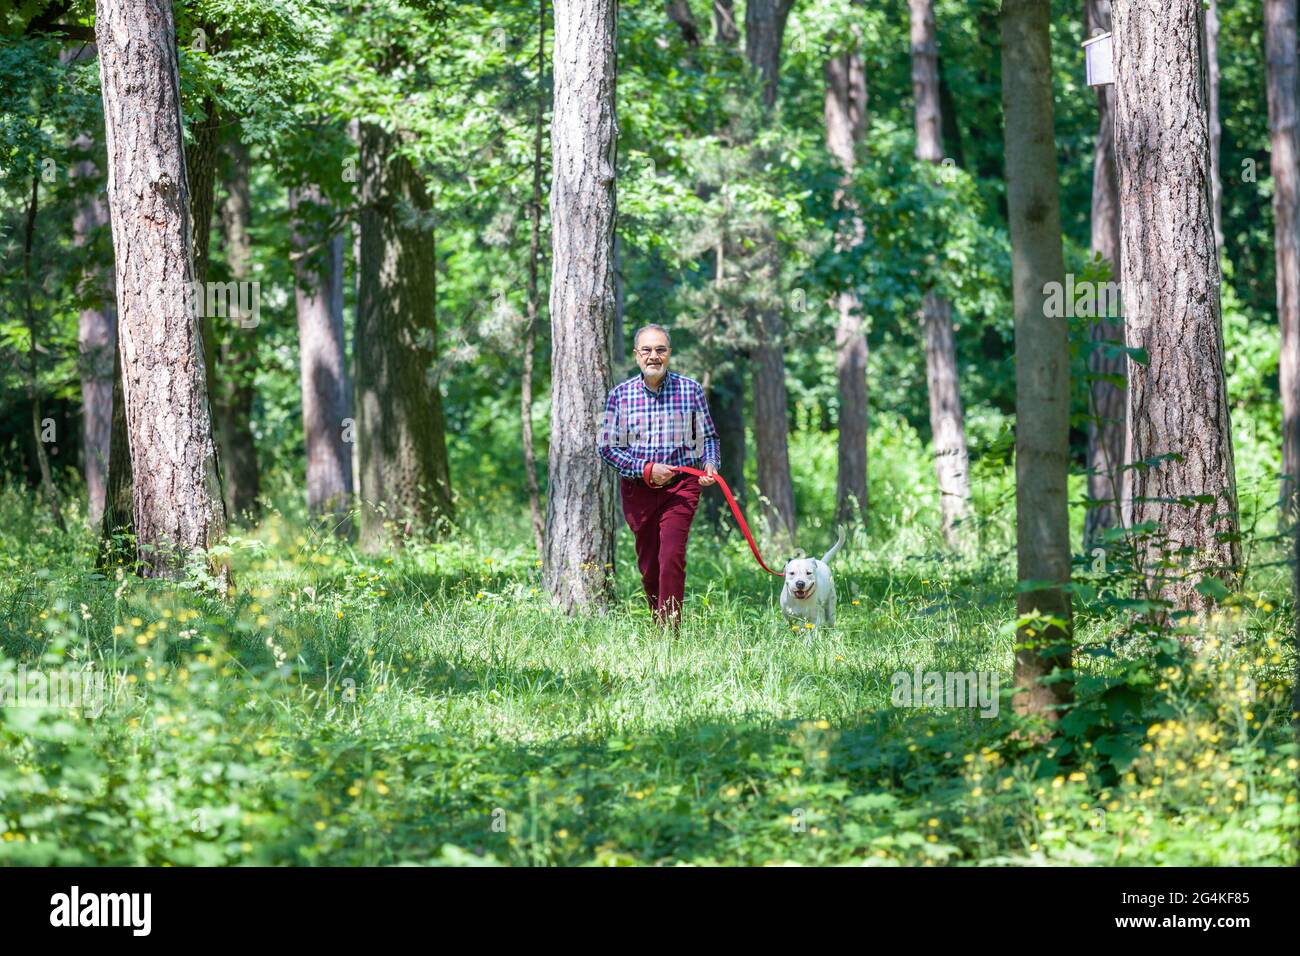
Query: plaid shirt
(670, 427)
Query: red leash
(735, 510)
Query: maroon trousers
(660, 518)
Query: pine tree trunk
(323, 369)
(947, 420)
(578, 563)
(1284, 163)
(117, 524)
(764, 31)
(534, 301)
(1178, 401)
(925, 82)
(403, 446)
(96, 347)
(1107, 399)
(237, 344)
(201, 175)
(846, 113)
(97, 322)
(1216, 127)
(772, 431)
(177, 506)
(1042, 358)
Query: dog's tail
(826, 558)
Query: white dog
(809, 591)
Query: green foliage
(430, 707)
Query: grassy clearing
(430, 707)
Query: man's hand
(708, 479)
(660, 475)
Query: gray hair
(646, 328)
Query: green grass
(430, 707)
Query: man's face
(652, 354)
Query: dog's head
(801, 577)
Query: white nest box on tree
(1099, 54)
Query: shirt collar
(663, 389)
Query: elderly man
(653, 421)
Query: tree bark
(1178, 404)
(177, 506)
(764, 30)
(1216, 127)
(117, 524)
(947, 419)
(323, 369)
(577, 567)
(1107, 399)
(1042, 360)
(1284, 163)
(403, 446)
(845, 110)
(925, 82)
(772, 431)
(97, 321)
(201, 172)
(534, 301)
(237, 348)
(96, 346)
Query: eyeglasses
(657, 350)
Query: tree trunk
(237, 344)
(925, 82)
(201, 172)
(764, 30)
(534, 301)
(96, 346)
(176, 494)
(1042, 359)
(1178, 404)
(117, 525)
(325, 383)
(772, 431)
(1284, 162)
(97, 322)
(1106, 398)
(846, 113)
(947, 420)
(1216, 127)
(578, 563)
(403, 445)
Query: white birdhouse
(1098, 52)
